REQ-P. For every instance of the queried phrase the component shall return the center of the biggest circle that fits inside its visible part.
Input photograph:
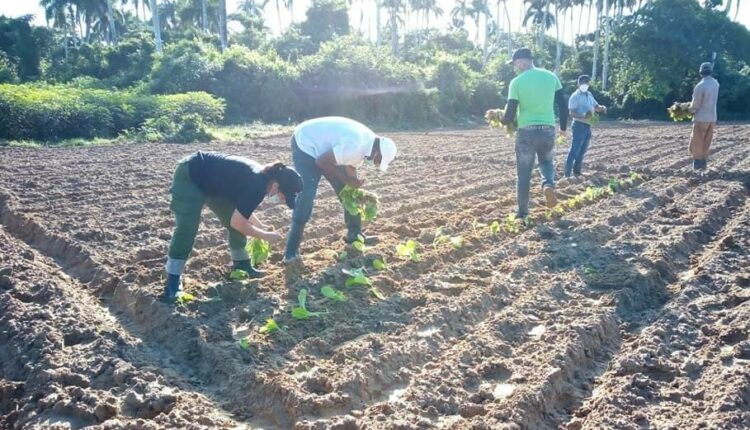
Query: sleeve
(248, 200)
(695, 104)
(349, 151)
(513, 90)
(573, 102)
(560, 98)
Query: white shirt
(350, 140)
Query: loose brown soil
(628, 312)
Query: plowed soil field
(627, 309)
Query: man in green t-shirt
(531, 98)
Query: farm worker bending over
(703, 107)
(333, 147)
(582, 106)
(232, 187)
(533, 93)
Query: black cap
(290, 183)
(521, 54)
(584, 79)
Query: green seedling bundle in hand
(359, 202)
(680, 112)
(259, 251)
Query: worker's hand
(273, 237)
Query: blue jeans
(305, 165)
(581, 140)
(533, 142)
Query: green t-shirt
(535, 91)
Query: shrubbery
(46, 112)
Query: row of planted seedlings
(410, 251)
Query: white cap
(388, 151)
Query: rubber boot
(246, 266)
(293, 242)
(173, 287)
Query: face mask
(584, 87)
(274, 199)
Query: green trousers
(187, 203)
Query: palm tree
(223, 24)
(475, 11)
(458, 14)
(394, 8)
(605, 59)
(432, 6)
(157, 26)
(541, 19)
(596, 39)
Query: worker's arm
(562, 106)
(254, 220)
(327, 163)
(246, 227)
(697, 101)
(511, 110)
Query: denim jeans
(533, 142)
(581, 140)
(305, 165)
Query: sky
(16, 8)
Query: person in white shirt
(333, 147)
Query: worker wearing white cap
(333, 147)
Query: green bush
(48, 113)
(190, 128)
(185, 66)
(454, 81)
(351, 77)
(255, 86)
(8, 70)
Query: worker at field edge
(581, 106)
(531, 97)
(333, 147)
(703, 107)
(232, 187)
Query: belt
(537, 127)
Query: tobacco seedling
(375, 291)
(270, 327)
(184, 298)
(330, 293)
(495, 228)
(408, 250)
(457, 242)
(238, 275)
(359, 202)
(259, 250)
(561, 140)
(343, 256)
(356, 277)
(244, 344)
(613, 185)
(590, 271)
(379, 264)
(512, 224)
(359, 244)
(301, 312)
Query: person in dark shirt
(232, 187)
